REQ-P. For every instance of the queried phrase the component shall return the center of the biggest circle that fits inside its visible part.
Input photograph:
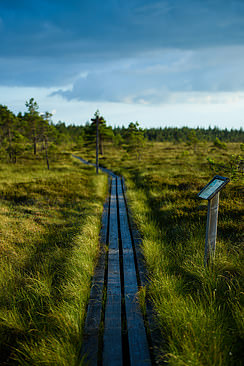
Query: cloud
(82, 29)
(126, 51)
(154, 79)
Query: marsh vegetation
(199, 311)
(50, 222)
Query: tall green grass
(49, 223)
(199, 311)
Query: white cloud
(163, 77)
(207, 98)
(183, 109)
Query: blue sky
(167, 62)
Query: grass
(199, 311)
(49, 223)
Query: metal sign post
(211, 193)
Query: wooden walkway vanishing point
(114, 330)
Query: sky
(161, 63)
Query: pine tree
(45, 132)
(32, 118)
(9, 134)
(105, 132)
(135, 139)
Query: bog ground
(50, 222)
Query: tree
(45, 131)
(192, 139)
(105, 132)
(135, 139)
(63, 134)
(118, 139)
(9, 133)
(32, 118)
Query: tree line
(184, 134)
(33, 132)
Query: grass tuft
(199, 311)
(50, 222)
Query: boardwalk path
(114, 332)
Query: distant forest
(182, 134)
(35, 131)
(161, 134)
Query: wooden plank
(112, 339)
(154, 334)
(105, 170)
(138, 345)
(92, 323)
(138, 348)
(137, 242)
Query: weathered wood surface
(155, 338)
(211, 230)
(112, 339)
(137, 243)
(90, 343)
(139, 352)
(125, 340)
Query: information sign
(213, 187)
(211, 193)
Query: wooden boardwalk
(114, 331)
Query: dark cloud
(153, 79)
(51, 42)
(86, 28)
(27, 72)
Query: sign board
(213, 187)
(211, 193)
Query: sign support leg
(211, 229)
